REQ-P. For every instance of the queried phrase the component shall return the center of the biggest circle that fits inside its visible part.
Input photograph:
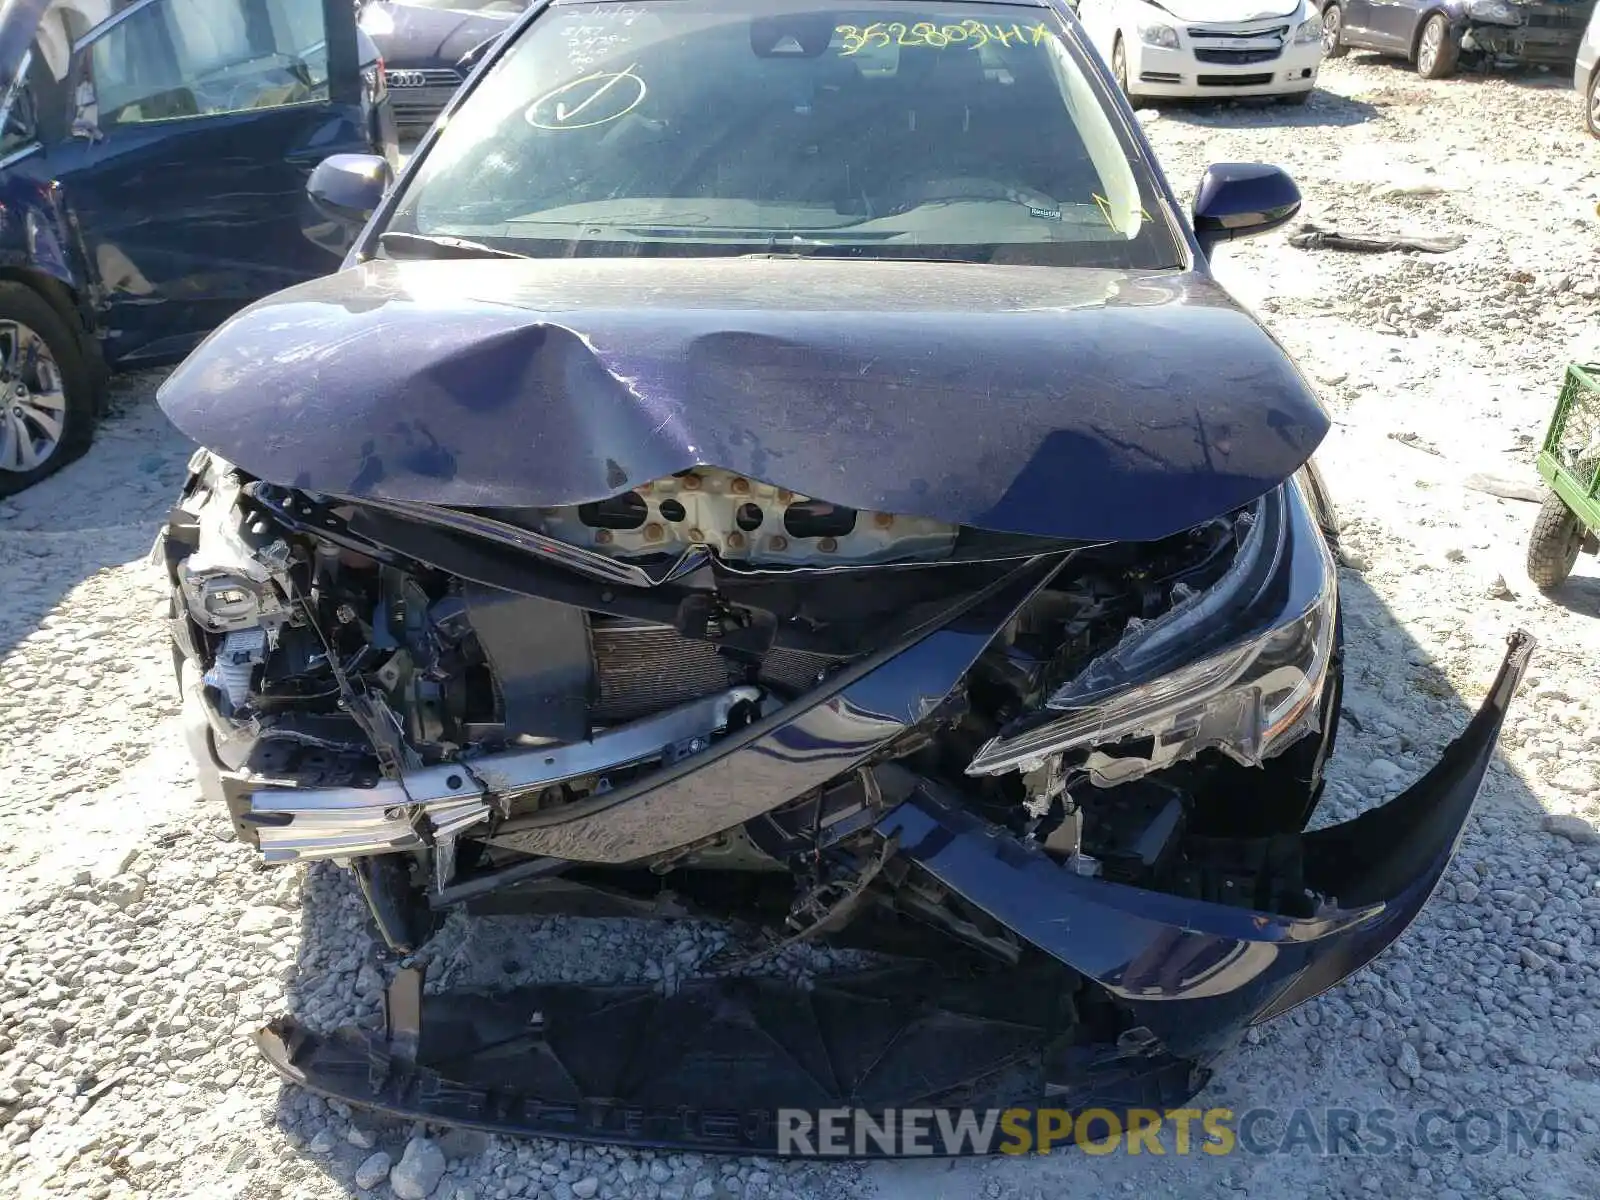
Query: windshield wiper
(422, 245)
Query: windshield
(967, 132)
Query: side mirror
(348, 187)
(1238, 200)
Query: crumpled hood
(412, 36)
(1227, 12)
(1063, 403)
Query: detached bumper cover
(708, 1068)
(1196, 973)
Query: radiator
(642, 667)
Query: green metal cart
(1570, 463)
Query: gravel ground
(140, 946)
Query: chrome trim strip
(341, 822)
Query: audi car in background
(423, 43)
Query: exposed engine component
(743, 520)
(369, 703)
(229, 578)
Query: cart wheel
(1553, 548)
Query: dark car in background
(1438, 35)
(152, 183)
(791, 460)
(424, 43)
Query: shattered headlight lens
(1238, 667)
(1157, 34)
(1498, 12)
(1309, 31)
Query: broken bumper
(1553, 43)
(709, 1067)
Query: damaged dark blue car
(790, 461)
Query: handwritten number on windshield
(853, 40)
(589, 101)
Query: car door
(1394, 22)
(194, 125)
(1357, 16)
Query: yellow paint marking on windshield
(1104, 206)
(603, 96)
(972, 33)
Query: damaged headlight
(1309, 31)
(1495, 12)
(1237, 667)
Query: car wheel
(1591, 112)
(1119, 65)
(1553, 548)
(1437, 48)
(1332, 32)
(47, 393)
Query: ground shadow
(1579, 594)
(1324, 109)
(1523, 76)
(1402, 706)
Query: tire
(50, 420)
(1553, 547)
(1333, 32)
(1119, 66)
(1591, 109)
(1437, 48)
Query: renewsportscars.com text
(940, 1132)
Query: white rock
(116, 861)
(262, 918)
(1409, 1062)
(1574, 829)
(372, 1171)
(419, 1170)
(123, 890)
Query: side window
(197, 58)
(19, 127)
(32, 104)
